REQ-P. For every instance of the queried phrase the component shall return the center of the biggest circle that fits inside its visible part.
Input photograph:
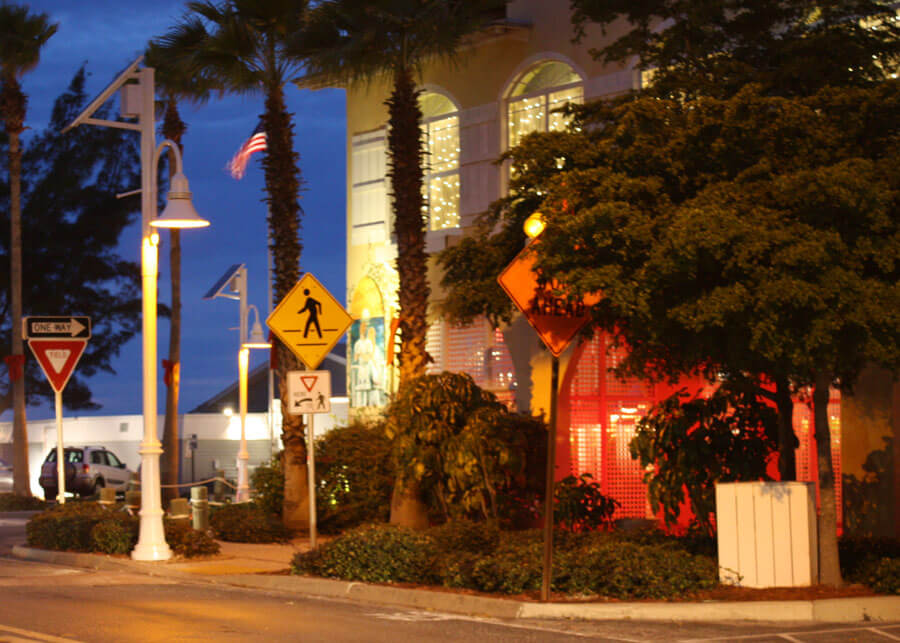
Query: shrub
(884, 576)
(460, 448)
(353, 474)
(12, 502)
(116, 533)
(90, 527)
(374, 554)
(66, 527)
(580, 506)
(619, 569)
(247, 523)
(268, 486)
(859, 555)
(466, 536)
(187, 541)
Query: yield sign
(555, 319)
(309, 321)
(309, 392)
(58, 358)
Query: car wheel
(50, 494)
(95, 488)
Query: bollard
(179, 508)
(200, 504)
(133, 501)
(107, 496)
(219, 486)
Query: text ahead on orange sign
(556, 319)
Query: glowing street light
(138, 100)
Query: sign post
(556, 321)
(309, 321)
(57, 344)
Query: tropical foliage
(22, 35)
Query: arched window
(540, 90)
(440, 131)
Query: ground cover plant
(479, 556)
(91, 527)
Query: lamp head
(534, 225)
(256, 339)
(179, 211)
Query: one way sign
(309, 392)
(56, 327)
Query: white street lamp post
(138, 99)
(235, 279)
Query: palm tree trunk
(405, 146)
(171, 450)
(173, 128)
(829, 565)
(405, 149)
(12, 106)
(282, 188)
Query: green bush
(859, 555)
(90, 527)
(66, 527)
(580, 506)
(12, 502)
(116, 533)
(462, 450)
(884, 576)
(268, 486)
(353, 476)
(374, 554)
(187, 541)
(478, 556)
(247, 523)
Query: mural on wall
(367, 362)
(367, 372)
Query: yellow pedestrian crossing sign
(309, 321)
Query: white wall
(122, 434)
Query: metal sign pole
(311, 471)
(551, 478)
(60, 464)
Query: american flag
(256, 143)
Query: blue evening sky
(106, 35)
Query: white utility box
(767, 534)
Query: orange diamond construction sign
(309, 321)
(555, 319)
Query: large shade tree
(361, 41)
(247, 47)
(175, 82)
(22, 35)
(68, 192)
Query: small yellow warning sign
(309, 321)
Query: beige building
(503, 86)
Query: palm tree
(246, 46)
(170, 57)
(352, 41)
(21, 37)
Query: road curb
(835, 610)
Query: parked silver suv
(87, 470)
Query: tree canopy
(72, 222)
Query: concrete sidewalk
(256, 566)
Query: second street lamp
(235, 279)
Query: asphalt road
(42, 602)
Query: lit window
(440, 133)
(541, 90)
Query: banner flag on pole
(256, 143)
